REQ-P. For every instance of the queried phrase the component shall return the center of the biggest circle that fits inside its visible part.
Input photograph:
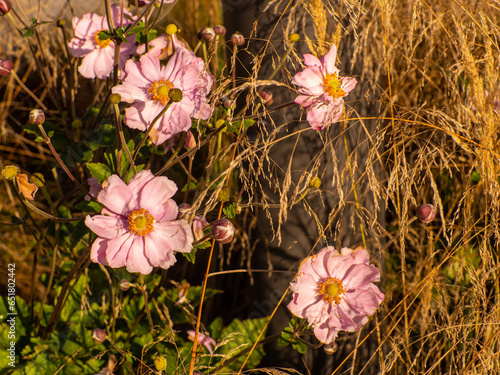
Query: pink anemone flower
(146, 84)
(98, 55)
(335, 291)
(137, 228)
(203, 339)
(322, 89)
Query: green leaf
(89, 206)
(190, 256)
(234, 127)
(99, 171)
(241, 335)
(230, 210)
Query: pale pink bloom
(146, 84)
(335, 291)
(199, 223)
(322, 89)
(95, 188)
(98, 55)
(137, 228)
(204, 340)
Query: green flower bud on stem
(37, 179)
(175, 95)
(294, 37)
(10, 172)
(171, 29)
(76, 124)
(224, 195)
(115, 98)
(315, 182)
(160, 363)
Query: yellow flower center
(333, 86)
(159, 91)
(331, 290)
(140, 222)
(99, 42)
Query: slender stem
(63, 166)
(141, 142)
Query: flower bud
(61, 23)
(294, 37)
(37, 117)
(183, 210)
(4, 7)
(10, 172)
(426, 213)
(5, 66)
(37, 179)
(171, 29)
(160, 363)
(330, 348)
(98, 335)
(227, 103)
(207, 33)
(223, 231)
(76, 124)
(237, 39)
(199, 223)
(115, 98)
(267, 97)
(223, 195)
(175, 95)
(220, 30)
(315, 182)
(124, 285)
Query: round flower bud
(220, 30)
(294, 37)
(98, 335)
(207, 33)
(10, 172)
(160, 363)
(330, 348)
(426, 213)
(61, 23)
(171, 29)
(267, 97)
(237, 39)
(115, 98)
(76, 124)
(183, 210)
(5, 67)
(227, 103)
(315, 182)
(175, 95)
(223, 230)
(37, 117)
(4, 7)
(223, 195)
(37, 179)
(124, 285)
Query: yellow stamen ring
(99, 42)
(140, 222)
(331, 290)
(333, 86)
(159, 91)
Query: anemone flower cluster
(334, 291)
(98, 55)
(322, 89)
(146, 85)
(137, 228)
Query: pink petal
(118, 249)
(348, 83)
(311, 80)
(103, 64)
(311, 60)
(170, 210)
(328, 61)
(86, 68)
(158, 256)
(154, 193)
(359, 276)
(174, 235)
(134, 116)
(106, 226)
(116, 196)
(98, 251)
(136, 259)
